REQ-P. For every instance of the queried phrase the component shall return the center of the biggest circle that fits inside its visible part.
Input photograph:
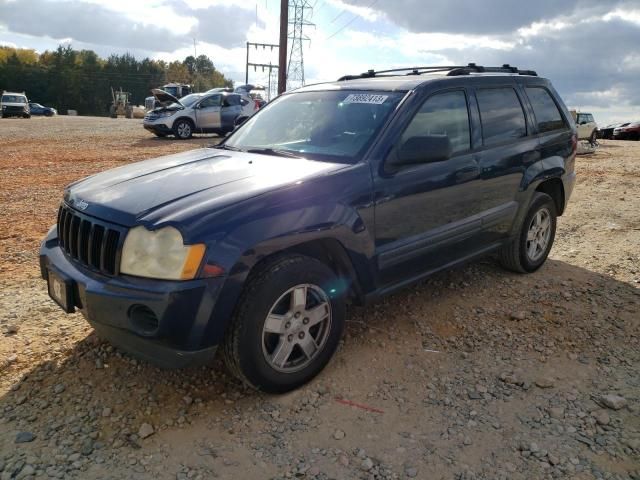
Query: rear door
(231, 109)
(208, 113)
(427, 214)
(508, 148)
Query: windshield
(171, 90)
(329, 125)
(13, 99)
(188, 100)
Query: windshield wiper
(273, 151)
(226, 147)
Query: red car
(629, 132)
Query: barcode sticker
(365, 98)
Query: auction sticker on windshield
(365, 98)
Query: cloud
(98, 24)
(482, 16)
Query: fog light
(143, 319)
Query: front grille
(89, 241)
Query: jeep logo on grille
(81, 205)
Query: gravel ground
(474, 374)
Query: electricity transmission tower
(299, 11)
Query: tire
(251, 347)
(516, 256)
(593, 138)
(183, 129)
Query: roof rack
(452, 70)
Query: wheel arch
(555, 189)
(328, 250)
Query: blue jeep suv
(333, 193)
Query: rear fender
(538, 172)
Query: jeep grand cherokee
(335, 192)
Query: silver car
(211, 112)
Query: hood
(168, 189)
(164, 98)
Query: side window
(231, 101)
(443, 114)
(547, 114)
(213, 101)
(501, 115)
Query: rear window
(548, 117)
(501, 115)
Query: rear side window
(501, 115)
(547, 114)
(443, 114)
(231, 100)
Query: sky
(590, 49)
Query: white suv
(587, 127)
(14, 105)
(210, 112)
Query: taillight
(256, 105)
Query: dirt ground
(474, 374)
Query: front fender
(336, 207)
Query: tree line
(69, 79)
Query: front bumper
(158, 127)
(163, 322)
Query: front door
(427, 214)
(208, 113)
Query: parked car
(214, 112)
(629, 131)
(333, 193)
(587, 127)
(14, 104)
(178, 90)
(37, 109)
(607, 132)
(249, 106)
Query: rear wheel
(287, 325)
(593, 139)
(530, 249)
(183, 129)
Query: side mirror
(424, 149)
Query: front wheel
(527, 252)
(183, 129)
(287, 325)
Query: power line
(355, 17)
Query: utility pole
(255, 66)
(282, 57)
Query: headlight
(160, 254)
(166, 113)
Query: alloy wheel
(538, 234)
(296, 328)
